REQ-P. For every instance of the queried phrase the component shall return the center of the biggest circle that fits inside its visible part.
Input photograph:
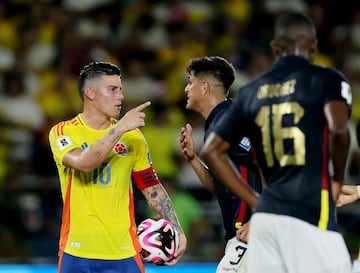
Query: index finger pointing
(143, 106)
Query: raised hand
(133, 119)
(187, 143)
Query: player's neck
(212, 103)
(95, 121)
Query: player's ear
(205, 87)
(89, 93)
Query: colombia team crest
(121, 149)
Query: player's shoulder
(134, 135)
(249, 89)
(58, 128)
(135, 139)
(330, 73)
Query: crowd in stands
(45, 43)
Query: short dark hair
(216, 66)
(93, 70)
(286, 23)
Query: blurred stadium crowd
(45, 43)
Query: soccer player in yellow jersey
(98, 157)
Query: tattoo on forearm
(115, 138)
(153, 194)
(161, 203)
(97, 152)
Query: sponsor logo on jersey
(64, 142)
(121, 149)
(75, 244)
(245, 144)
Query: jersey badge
(121, 149)
(245, 144)
(64, 142)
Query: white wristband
(358, 191)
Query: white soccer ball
(158, 239)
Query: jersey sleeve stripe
(243, 205)
(76, 121)
(65, 227)
(324, 203)
(133, 227)
(59, 129)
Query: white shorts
(356, 266)
(235, 258)
(283, 244)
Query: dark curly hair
(93, 70)
(216, 66)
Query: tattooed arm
(160, 202)
(91, 158)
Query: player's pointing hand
(133, 119)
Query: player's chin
(188, 106)
(116, 113)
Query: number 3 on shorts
(240, 250)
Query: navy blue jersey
(282, 113)
(232, 208)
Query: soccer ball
(158, 239)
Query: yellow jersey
(98, 207)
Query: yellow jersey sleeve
(62, 140)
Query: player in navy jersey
(209, 81)
(295, 115)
